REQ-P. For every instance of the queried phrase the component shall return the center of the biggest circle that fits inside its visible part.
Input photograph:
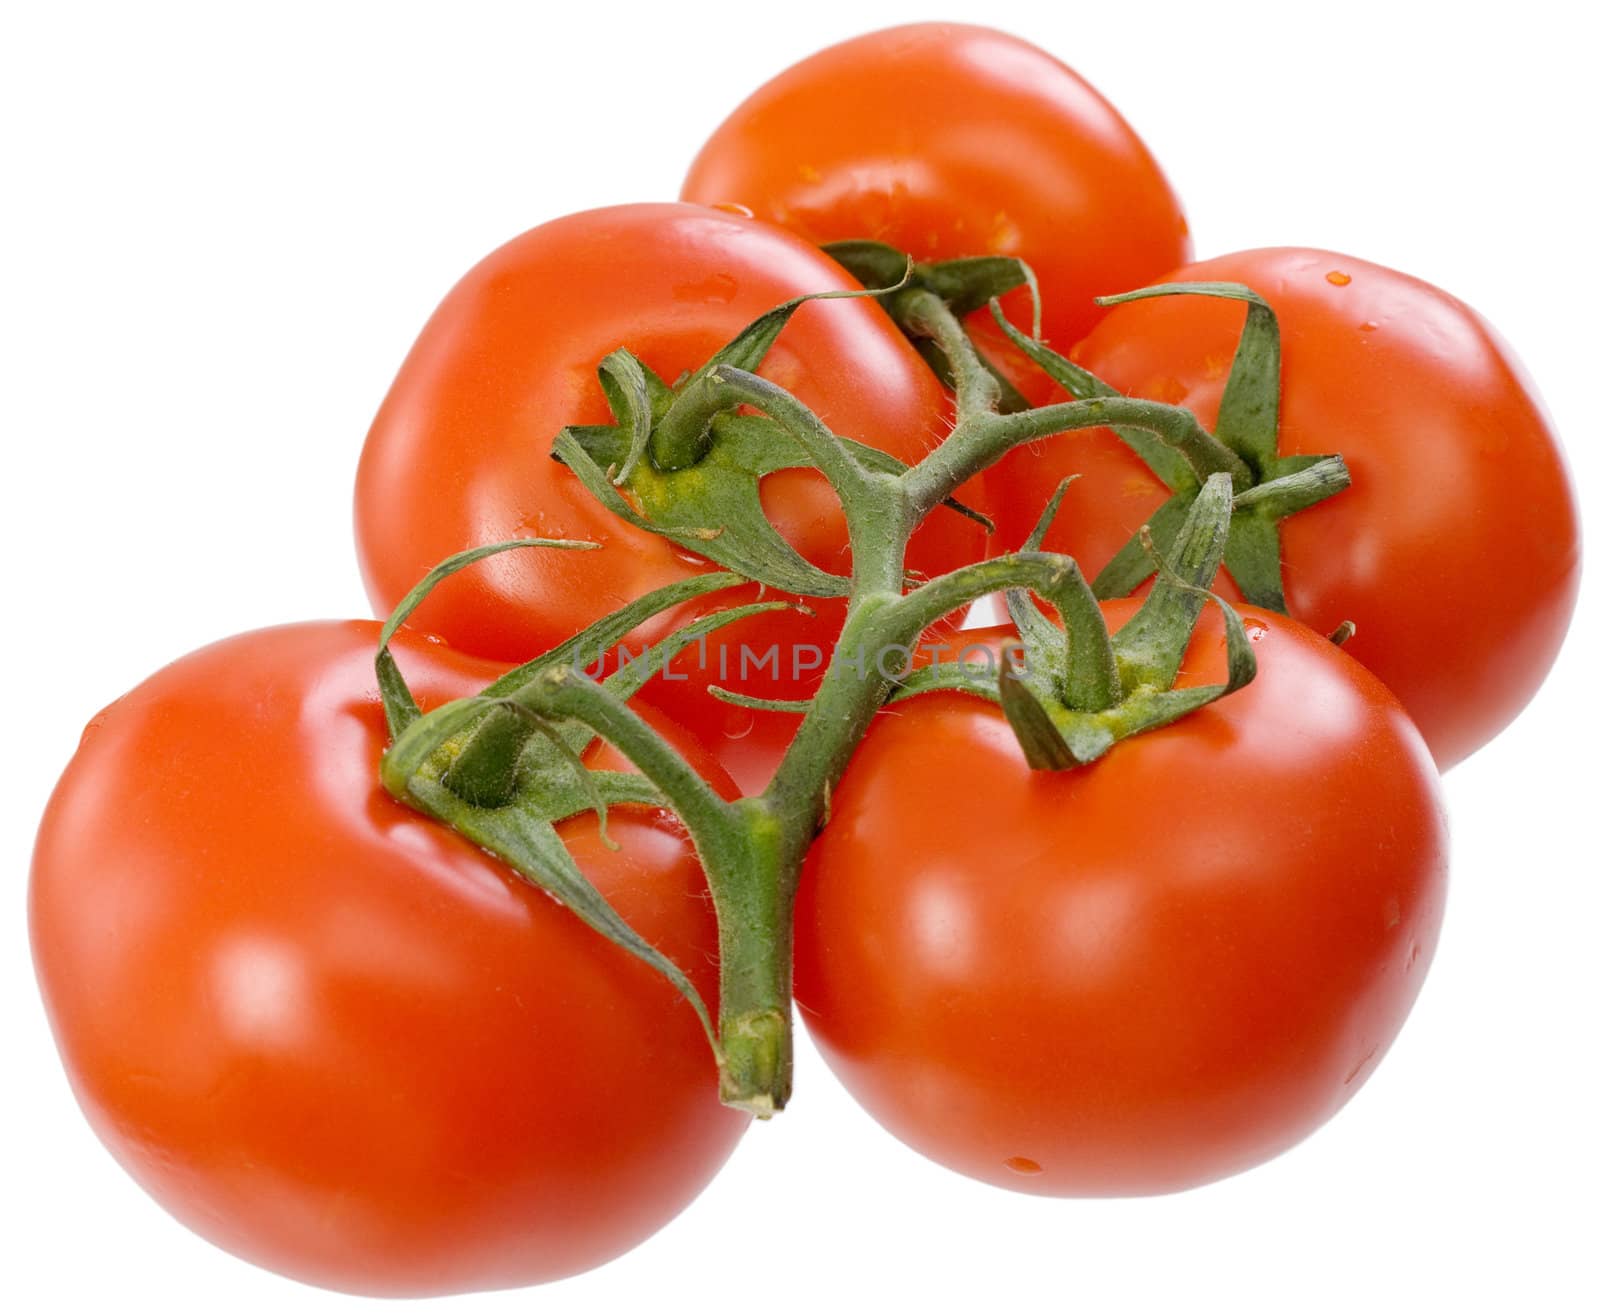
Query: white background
(224, 226)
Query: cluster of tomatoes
(367, 1056)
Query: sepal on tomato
(503, 767)
(682, 432)
(1268, 487)
(712, 508)
(965, 285)
(399, 707)
(1080, 690)
(686, 461)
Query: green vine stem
(487, 767)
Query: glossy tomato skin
(948, 140)
(1140, 975)
(333, 1037)
(1456, 549)
(459, 454)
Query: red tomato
(1139, 975)
(459, 454)
(946, 140)
(330, 1035)
(1455, 551)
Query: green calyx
(963, 285)
(504, 767)
(1267, 487)
(683, 462)
(1082, 689)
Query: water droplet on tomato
(716, 289)
(1255, 631)
(739, 723)
(1338, 278)
(1369, 327)
(733, 207)
(1164, 388)
(1005, 238)
(1020, 1163)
